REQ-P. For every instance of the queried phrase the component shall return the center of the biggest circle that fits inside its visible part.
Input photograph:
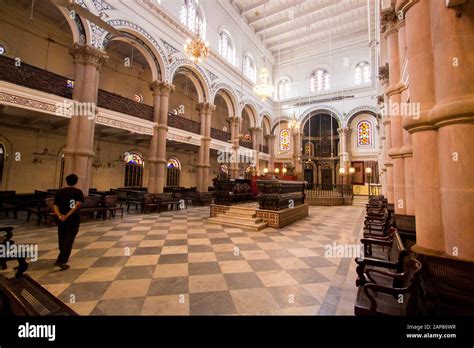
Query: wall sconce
(265, 170)
(368, 170)
(352, 170)
(342, 171)
(284, 170)
(277, 170)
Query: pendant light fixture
(263, 89)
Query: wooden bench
(391, 259)
(6, 240)
(22, 296)
(91, 205)
(382, 299)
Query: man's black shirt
(66, 199)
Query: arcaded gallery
(237, 157)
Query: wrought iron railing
(220, 134)
(184, 123)
(247, 144)
(328, 191)
(29, 76)
(124, 105)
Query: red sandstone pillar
(79, 151)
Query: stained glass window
(285, 139)
(308, 149)
(133, 169)
(364, 133)
(70, 84)
(173, 172)
(174, 163)
(133, 158)
(247, 137)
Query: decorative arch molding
(278, 121)
(216, 88)
(266, 118)
(254, 111)
(100, 38)
(199, 73)
(79, 32)
(326, 109)
(364, 109)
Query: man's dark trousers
(67, 231)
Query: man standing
(66, 205)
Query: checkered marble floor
(175, 263)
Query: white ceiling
(296, 26)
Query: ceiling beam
(275, 12)
(307, 46)
(273, 25)
(253, 7)
(315, 22)
(298, 36)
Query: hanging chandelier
(294, 124)
(263, 89)
(196, 49)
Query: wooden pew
(382, 299)
(393, 258)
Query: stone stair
(360, 201)
(243, 217)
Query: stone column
(79, 151)
(393, 93)
(271, 151)
(297, 153)
(426, 166)
(453, 115)
(205, 112)
(234, 135)
(387, 168)
(255, 131)
(157, 157)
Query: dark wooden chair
(149, 203)
(378, 299)
(6, 241)
(92, 205)
(391, 258)
(43, 211)
(111, 203)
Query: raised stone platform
(246, 216)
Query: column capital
(344, 130)
(255, 129)
(402, 6)
(388, 22)
(270, 136)
(233, 119)
(161, 87)
(87, 54)
(205, 107)
(384, 74)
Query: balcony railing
(247, 144)
(124, 105)
(184, 123)
(29, 76)
(220, 135)
(329, 191)
(264, 148)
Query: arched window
(362, 73)
(250, 71)
(173, 171)
(133, 169)
(285, 139)
(192, 17)
(364, 133)
(319, 81)
(308, 149)
(284, 86)
(2, 160)
(226, 47)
